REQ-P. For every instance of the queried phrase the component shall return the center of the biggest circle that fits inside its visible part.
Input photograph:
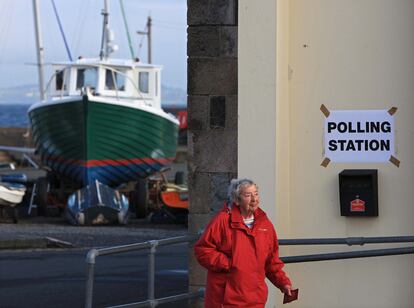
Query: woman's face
(249, 200)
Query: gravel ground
(29, 229)
(138, 230)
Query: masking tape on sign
(325, 162)
(325, 110)
(394, 161)
(392, 110)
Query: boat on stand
(11, 194)
(101, 124)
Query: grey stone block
(232, 114)
(203, 41)
(212, 151)
(207, 76)
(197, 302)
(212, 12)
(208, 191)
(219, 184)
(217, 112)
(197, 222)
(198, 112)
(212, 41)
(200, 193)
(196, 273)
(228, 41)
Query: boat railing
(152, 249)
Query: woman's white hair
(235, 188)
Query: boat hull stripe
(112, 162)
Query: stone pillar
(212, 114)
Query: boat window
(144, 82)
(114, 78)
(59, 80)
(86, 77)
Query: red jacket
(238, 259)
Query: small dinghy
(11, 194)
(97, 204)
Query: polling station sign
(352, 136)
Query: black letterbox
(358, 192)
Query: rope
(61, 30)
(131, 49)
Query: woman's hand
(287, 289)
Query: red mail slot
(357, 205)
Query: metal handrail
(348, 255)
(348, 240)
(164, 300)
(152, 246)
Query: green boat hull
(87, 140)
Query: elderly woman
(239, 249)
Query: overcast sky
(82, 24)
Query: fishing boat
(100, 119)
(103, 121)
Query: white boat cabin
(112, 78)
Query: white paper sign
(359, 136)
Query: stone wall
(212, 113)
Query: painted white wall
(347, 55)
(257, 96)
(257, 88)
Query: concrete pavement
(56, 232)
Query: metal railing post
(90, 260)
(151, 271)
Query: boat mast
(149, 25)
(39, 49)
(148, 33)
(104, 42)
(107, 44)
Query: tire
(141, 198)
(41, 195)
(179, 178)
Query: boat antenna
(131, 49)
(40, 50)
(149, 35)
(105, 14)
(61, 30)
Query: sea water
(14, 115)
